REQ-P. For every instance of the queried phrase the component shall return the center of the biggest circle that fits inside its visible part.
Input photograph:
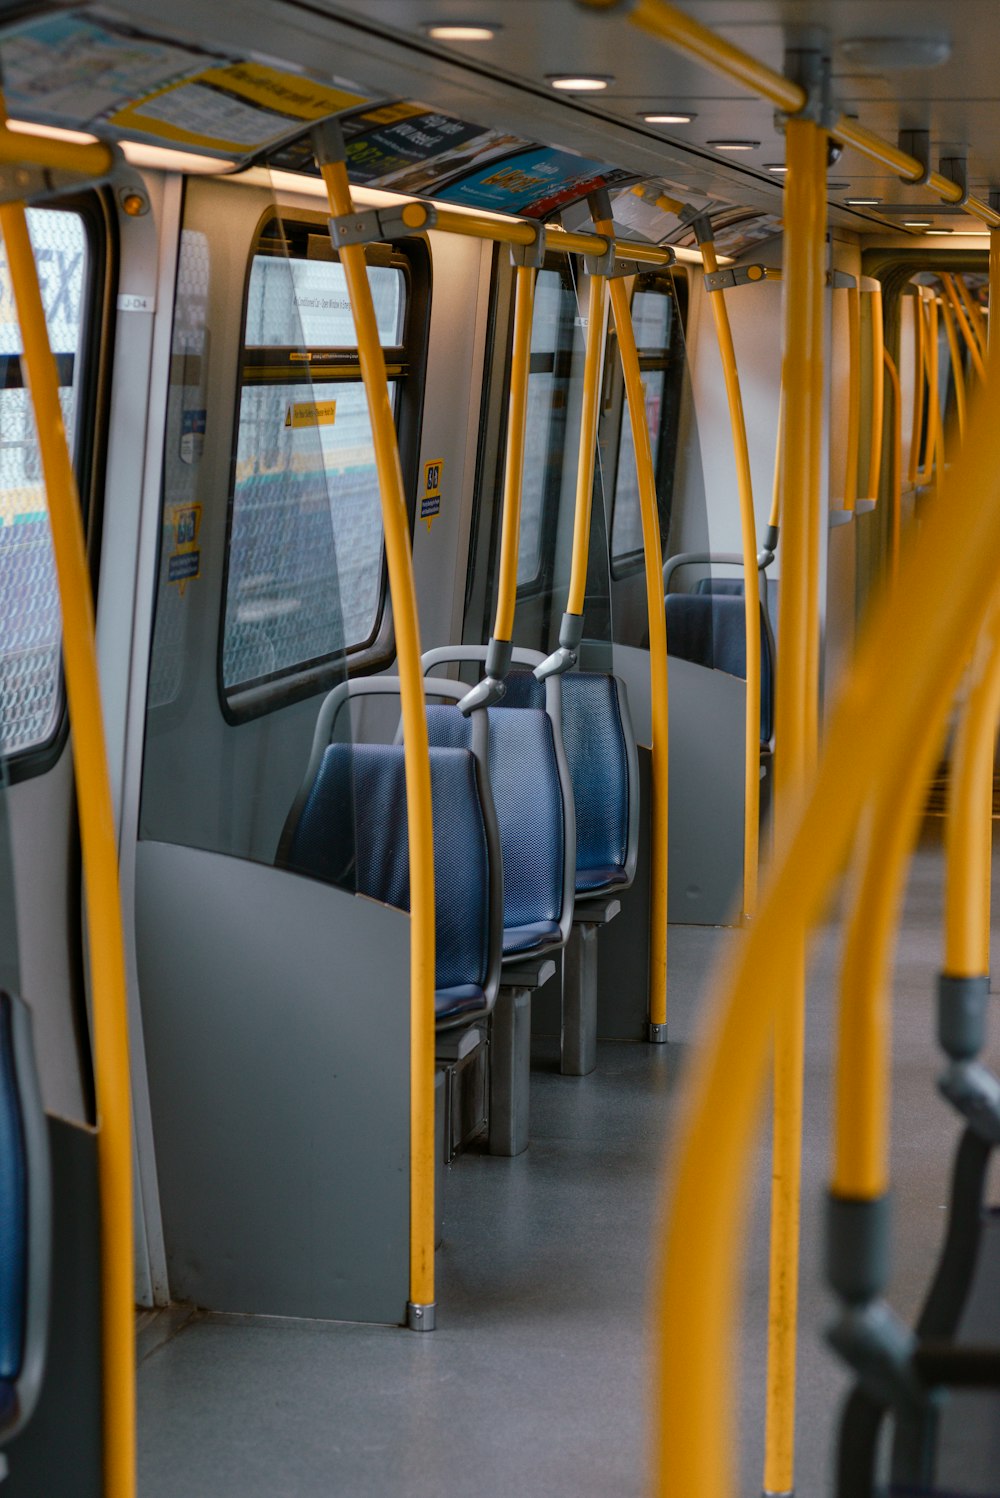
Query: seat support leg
(510, 1071)
(579, 1004)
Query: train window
(31, 628)
(548, 388)
(305, 570)
(655, 318)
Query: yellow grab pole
(919, 388)
(994, 318)
(969, 833)
(896, 483)
(796, 709)
(705, 1221)
(974, 311)
(853, 398)
(420, 827)
(957, 371)
(934, 446)
(94, 159)
(878, 396)
(775, 515)
(658, 667)
(751, 585)
(964, 327)
(597, 307)
(513, 480)
(99, 855)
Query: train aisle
(536, 1381)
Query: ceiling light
(862, 202)
(668, 119)
(940, 231)
(777, 167)
(461, 31)
(916, 223)
(576, 83)
(885, 54)
(734, 145)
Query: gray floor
(535, 1382)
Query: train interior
(251, 641)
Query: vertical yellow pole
(513, 480)
(751, 586)
(956, 365)
(420, 826)
(853, 398)
(878, 395)
(974, 312)
(100, 870)
(919, 387)
(964, 327)
(896, 484)
(596, 314)
(795, 736)
(658, 669)
(994, 319)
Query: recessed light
(885, 54)
(940, 231)
(734, 145)
(777, 167)
(461, 31)
(668, 119)
(917, 223)
(579, 83)
(862, 202)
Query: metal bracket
(993, 199)
(530, 255)
(372, 225)
(956, 169)
(32, 184)
(811, 70)
(735, 275)
(917, 143)
(612, 266)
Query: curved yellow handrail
(751, 585)
(853, 399)
(419, 820)
(705, 1224)
(896, 481)
(969, 832)
(958, 373)
(513, 480)
(919, 388)
(597, 308)
(974, 313)
(99, 854)
(964, 326)
(875, 440)
(796, 705)
(658, 666)
(934, 446)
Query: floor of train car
(537, 1380)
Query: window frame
(673, 284)
(406, 366)
(89, 456)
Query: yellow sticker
(311, 414)
(430, 504)
(184, 562)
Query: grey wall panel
(276, 1017)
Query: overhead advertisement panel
(89, 69)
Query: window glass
(652, 318)
(551, 347)
(30, 623)
(305, 560)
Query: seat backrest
(25, 1221)
(527, 795)
(709, 629)
(601, 751)
(723, 585)
(355, 814)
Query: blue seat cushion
(709, 629)
(731, 585)
(353, 830)
(524, 775)
(13, 1206)
(594, 741)
(464, 998)
(518, 941)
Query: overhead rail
(330, 152)
(685, 35)
(98, 845)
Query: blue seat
(709, 629)
(527, 795)
(600, 749)
(355, 815)
(25, 1223)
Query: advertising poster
(534, 183)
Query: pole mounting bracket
(956, 169)
(376, 225)
(917, 143)
(530, 255)
(734, 275)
